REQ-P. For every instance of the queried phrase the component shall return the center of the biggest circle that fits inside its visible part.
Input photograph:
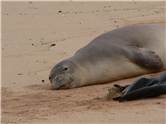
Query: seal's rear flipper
(145, 92)
(121, 88)
(143, 88)
(162, 77)
(145, 58)
(140, 83)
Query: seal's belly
(109, 70)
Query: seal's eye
(65, 69)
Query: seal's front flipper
(145, 58)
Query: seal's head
(63, 75)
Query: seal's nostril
(49, 78)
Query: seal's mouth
(55, 87)
(60, 83)
(57, 83)
(58, 87)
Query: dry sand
(36, 35)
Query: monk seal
(121, 53)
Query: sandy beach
(37, 35)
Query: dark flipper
(145, 92)
(144, 88)
(141, 88)
(145, 58)
(121, 88)
(162, 77)
(142, 82)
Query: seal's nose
(59, 79)
(49, 78)
(57, 82)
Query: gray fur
(136, 49)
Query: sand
(36, 35)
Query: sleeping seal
(121, 53)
